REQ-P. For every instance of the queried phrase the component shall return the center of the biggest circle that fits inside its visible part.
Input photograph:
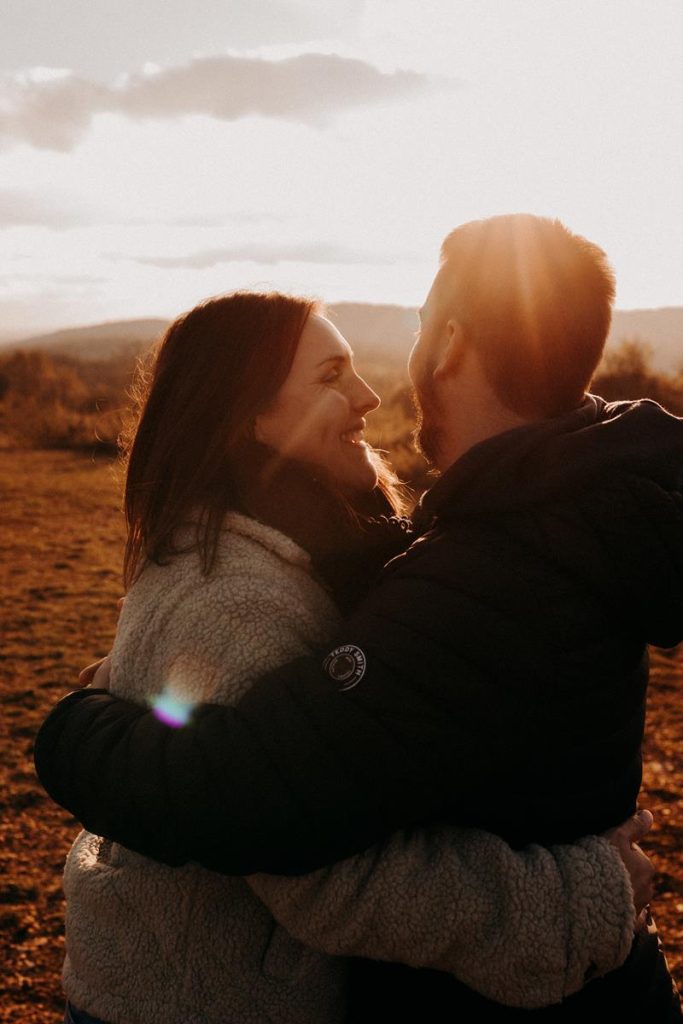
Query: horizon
(162, 155)
(8, 338)
(372, 329)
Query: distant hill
(372, 330)
(391, 330)
(98, 341)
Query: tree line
(54, 401)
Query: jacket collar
(556, 458)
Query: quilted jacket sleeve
(304, 770)
(300, 772)
(295, 776)
(222, 793)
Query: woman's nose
(365, 399)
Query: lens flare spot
(171, 710)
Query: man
(495, 676)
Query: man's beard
(427, 435)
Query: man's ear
(453, 352)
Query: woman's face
(318, 414)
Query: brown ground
(61, 541)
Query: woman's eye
(332, 377)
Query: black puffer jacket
(495, 676)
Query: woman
(255, 513)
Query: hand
(97, 674)
(637, 863)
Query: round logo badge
(346, 666)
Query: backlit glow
(143, 170)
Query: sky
(153, 154)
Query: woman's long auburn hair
(215, 369)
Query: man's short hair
(536, 300)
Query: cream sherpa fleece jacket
(149, 944)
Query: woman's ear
(264, 428)
(453, 351)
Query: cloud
(239, 218)
(60, 212)
(40, 279)
(25, 209)
(48, 111)
(253, 252)
(52, 108)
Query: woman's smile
(354, 436)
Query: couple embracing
(345, 766)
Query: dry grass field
(61, 540)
